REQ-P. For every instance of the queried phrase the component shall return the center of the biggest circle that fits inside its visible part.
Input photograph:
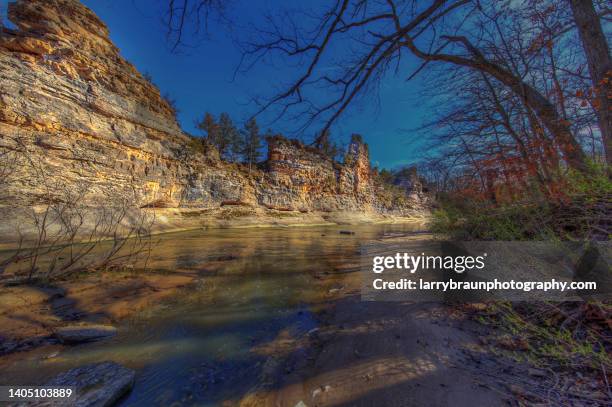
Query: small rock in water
(346, 232)
(300, 404)
(51, 355)
(323, 389)
(98, 384)
(312, 332)
(84, 333)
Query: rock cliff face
(300, 174)
(408, 180)
(81, 117)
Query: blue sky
(199, 78)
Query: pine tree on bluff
(223, 135)
(209, 126)
(251, 142)
(385, 176)
(327, 146)
(230, 142)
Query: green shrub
(575, 207)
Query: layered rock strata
(77, 118)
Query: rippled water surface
(200, 347)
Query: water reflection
(210, 343)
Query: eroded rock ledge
(86, 118)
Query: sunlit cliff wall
(84, 116)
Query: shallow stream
(208, 343)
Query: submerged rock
(346, 232)
(96, 385)
(84, 333)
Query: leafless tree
(182, 15)
(11, 157)
(597, 53)
(10, 160)
(59, 232)
(486, 130)
(351, 45)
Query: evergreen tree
(327, 146)
(210, 128)
(229, 138)
(225, 133)
(207, 124)
(385, 176)
(251, 142)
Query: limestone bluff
(86, 116)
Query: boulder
(96, 385)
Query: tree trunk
(600, 66)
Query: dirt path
(386, 354)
